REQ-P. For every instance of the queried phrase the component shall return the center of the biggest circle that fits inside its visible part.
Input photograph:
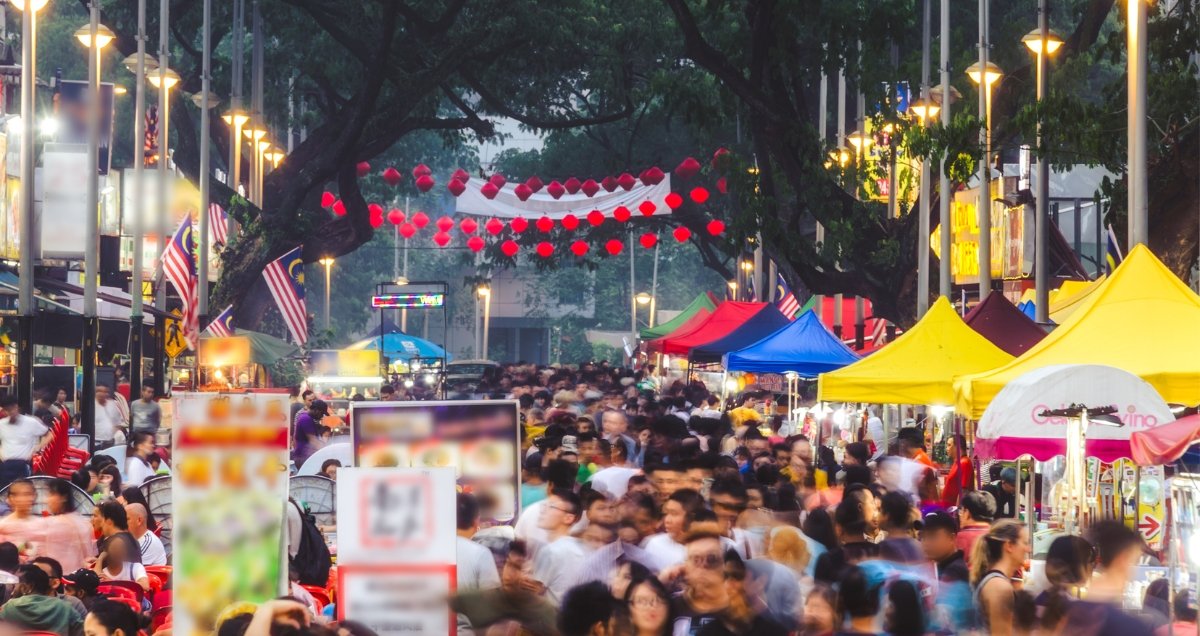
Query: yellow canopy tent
(1142, 319)
(919, 367)
(1070, 297)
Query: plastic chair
(163, 571)
(128, 586)
(132, 604)
(161, 599)
(161, 616)
(319, 595)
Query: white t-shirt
(476, 566)
(129, 572)
(875, 432)
(556, 565)
(137, 471)
(19, 438)
(108, 420)
(153, 552)
(667, 553)
(527, 528)
(613, 481)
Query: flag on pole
(222, 325)
(179, 266)
(150, 142)
(1112, 251)
(285, 279)
(788, 305)
(218, 224)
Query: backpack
(312, 560)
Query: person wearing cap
(975, 516)
(308, 431)
(939, 531)
(1004, 491)
(84, 584)
(35, 608)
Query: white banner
(64, 181)
(506, 205)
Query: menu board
(479, 439)
(228, 491)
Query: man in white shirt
(559, 475)
(108, 418)
(476, 565)
(556, 564)
(21, 436)
(153, 552)
(614, 480)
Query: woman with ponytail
(998, 555)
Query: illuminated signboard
(408, 300)
(1011, 256)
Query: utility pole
(139, 209)
(841, 132)
(1041, 258)
(205, 164)
(926, 187)
(944, 274)
(985, 198)
(1136, 171)
(164, 154)
(823, 133)
(91, 248)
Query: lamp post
(205, 103)
(644, 299)
(947, 93)
(235, 119)
(260, 158)
(25, 282)
(328, 263)
(985, 75)
(1042, 42)
(138, 64)
(254, 133)
(747, 268)
(924, 109)
(95, 37)
(485, 292)
(1135, 170)
(164, 79)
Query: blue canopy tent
(804, 347)
(400, 346)
(768, 320)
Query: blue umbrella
(401, 346)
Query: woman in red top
(962, 474)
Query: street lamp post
(328, 263)
(164, 79)
(985, 74)
(236, 119)
(747, 267)
(138, 63)
(95, 37)
(925, 110)
(25, 304)
(1042, 42)
(205, 161)
(944, 271)
(1138, 58)
(485, 292)
(254, 133)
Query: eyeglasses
(648, 602)
(706, 561)
(562, 510)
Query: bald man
(153, 552)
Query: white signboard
(64, 202)
(396, 548)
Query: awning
(266, 349)
(700, 304)
(1004, 325)
(804, 347)
(728, 316)
(1142, 319)
(768, 320)
(401, 346)
(919, 367)
(1165, 444)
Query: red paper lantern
(460, 175)
(425, 183)
(648, 240)
(614, 247)
(653, 176)
(572, 185)
(498, 180)
(716, 227)
(570, 222)
(519, 224)
(626, 181)
(621, 214)
(556, 190)
(647, 208)
(494, 226)
(445, 223)
(608, 183)
(475, 243)
(489, 190)
(522, 191)
(456, 187)
(392, 176)
(339, 208)
(375, 209)
(720, 159)
(376, 220)
(363, 168)
(420, 219)
(442, 239)
(579, 248)
(421, 170)
(595, 218)
(545, 224)
(687, 168)
(510, 248)
(682, 234)
(395, 217)
(699, 195)
(408, 230)
(327, 199)
(534, 183)
(590, 187)
(468, 225)
(722, 186)
(673, 200)
(545, 249)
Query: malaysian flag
(222, 325)
(218, 224)
(179, 266)
(285, 278)
(788, 305)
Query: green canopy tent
(267, 350)
(704, 302)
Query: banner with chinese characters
(396, 548)
(228, 492)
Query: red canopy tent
(1004, 325)
(729, 316)
(1165, 443)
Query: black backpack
(312, 560)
